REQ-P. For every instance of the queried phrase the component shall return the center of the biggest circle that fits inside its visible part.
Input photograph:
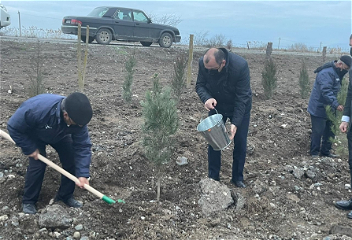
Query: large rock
(215, 196)
(55, 216)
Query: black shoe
(344, 205)
(29, 208)
(71, 202)
(239, 184)
(215, 179)
(330, 155)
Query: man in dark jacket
(326, 87)
(62, 123)
(344, 127)
(224, 82)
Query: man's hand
(340, 108)
(233, 131)
(34, 154)
(82, 181)
(344, 127)
(210, 104)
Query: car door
(144, 30)
(123, 24)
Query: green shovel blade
(108, 200)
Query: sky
(285, 23)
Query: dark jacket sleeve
(19, 127)
(201, 83)
(325, 82)
(347, 107)
(82, 149)
(243, 95)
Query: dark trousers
(321, 134)
(36, 169)
(349, 138)
(239, 153)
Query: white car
(4, 17)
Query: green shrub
(269, 80)
(127, 84)
(160, 123)
(340, 140)
(178, 79)
(36, 72)
(304, 81)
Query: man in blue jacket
(62, 123)
(326, 87)
(224, 82)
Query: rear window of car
(98, 12)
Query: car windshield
(98, 12)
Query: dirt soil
(279, 202)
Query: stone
(213, 198)
(55, 216)
(181, 161)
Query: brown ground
(277, 204)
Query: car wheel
(104, 36)
(90, 39)
(165, 40)
(146, 44)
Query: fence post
(19, 22)
(85, 58)
(324, 54)
(79, 58)
(190, 59)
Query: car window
(98, 12)
(139, 16)
(123, 15)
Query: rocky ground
(288, 195)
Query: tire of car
(104, 36)
(146, 44)
(165, 40)
(84, 38)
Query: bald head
(214, 58)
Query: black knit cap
(78, 108)
(347, 60)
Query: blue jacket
(40, 118)
(326, 87)
(230, 88)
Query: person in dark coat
(346, 128)
(326, 87)
(224, 82)
(49, 119)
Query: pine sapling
(36, 72)
(127, 84)
(269, 80)
(160, 124)
(335, 116)
(178, 82)
(304, 81)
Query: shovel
(65, 173)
